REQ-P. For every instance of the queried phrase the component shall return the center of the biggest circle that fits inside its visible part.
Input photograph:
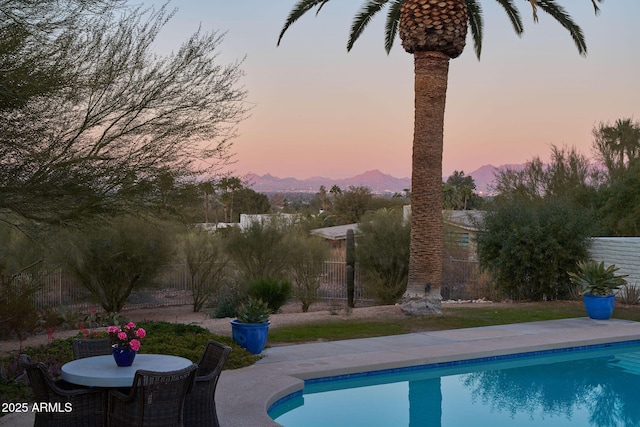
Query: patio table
(102, 371)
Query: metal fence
(61, 289)
(172, 287)
(333, 284)
(459, 279)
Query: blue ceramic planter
(251, 336)
(599, 307)
(123, 356)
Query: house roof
(339, 232)
(464, 219)
(461, 219)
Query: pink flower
(126, 336)
(135, 345)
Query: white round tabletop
(102, 371)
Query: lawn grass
(453, 317)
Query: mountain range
(376, 181)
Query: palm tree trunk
(425, 263)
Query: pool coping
(244, 395)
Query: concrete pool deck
(244, 395)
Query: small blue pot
(251, 336)
(123, 356)
(599, 307)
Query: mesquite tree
(119, 120)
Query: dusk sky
(320, 111)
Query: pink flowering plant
(126, 336)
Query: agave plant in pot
(599, 285)
(251, 326)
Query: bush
(382, 253)
(207, 264)
(227, 302)
(21, 262)
(529, 245)
(260, 250)
(307, 264)
(275, 293)
(18, 314)
(630, 294)
(112, 259)
(189, 341)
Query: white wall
(624, 252)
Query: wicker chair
(156, 399)
(200, 405)
(90, 347)
(66, 406)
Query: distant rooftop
(463, 219)
(338, 232)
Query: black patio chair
(63, 405)
(156, 399)
(91, 347)
(200, 405)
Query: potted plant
(251, 326)
(598, 287)
(125, 342)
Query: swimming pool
(582, 386)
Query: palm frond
(321, 6)
(362, 19)
(475, 24)
(299, 9)
(514, 15)
(563, 18)
(595, 6)
(391, 27)
(534, 9)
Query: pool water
(597, 387)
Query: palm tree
(618, 146)
(434, 31)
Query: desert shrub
(227, 301)
(528, 245)
(306, 266)
(113, 258)
(207, 263)
(382, 252)
(274, 292)
(260, 250)
(483, 288)
(21, 270)
(19, 316)
(629, 294)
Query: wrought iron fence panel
(459, 279)
(333, 284)
(173, 286)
